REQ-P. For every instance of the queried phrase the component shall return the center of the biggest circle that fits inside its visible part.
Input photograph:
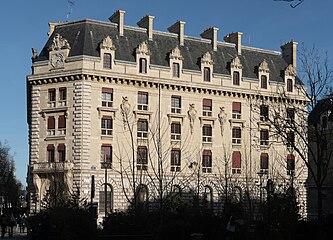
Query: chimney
(118, 17)
(179, 28)
(147, 23)
(211, 33)
(289, 52)
(236, 38)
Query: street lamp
(106, 166)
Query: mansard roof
(85, 36)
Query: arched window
(105, 199)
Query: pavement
(16, 236)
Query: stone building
(169, 112)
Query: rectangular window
(106, 126)
(142, 65)
(290, 164)
(61, 121)
(207, 161)
(143, 101)
(142, 129)
(50, 123)
(264, 163)
(236, 135)
(142, 158)
(235, 78)
(207, 74)
(236, 162)
(61, 152)
(263, 113)
(207, 107)
(106, 153)
(176, 104)
(107, 61)
(175, 131)
(50, 153)
(175, 70)
(290, 115)
(52, 97)
(290, 139)
(264, 137)
(263, 83)
(236, 110)
(207, 133)
(175, 160)
(107, 97)
(62, 96)
(289, 85)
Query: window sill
(106, 137)
(55, 137)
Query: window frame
(176, 131)
(107, 97)
(207, 160)
(236, 165)
(52, 97)
(290, 164)
(264, 137)
(236, 136)
(264, 113)
(106, 126)
(175, 164)
(263, 82)
(50, 153)
(236, 78)
(143, 65)
(206, 74)
(176, 70)
(61, 152)
(207, 107)
(142, 158)
(290, 87)
(207, 133)
(106, 153)
(143, 101)
(107, 61)
(176, 104)
(236, 110)
(264, 163)
(142, 129)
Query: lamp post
(106, 166)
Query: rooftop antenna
(70, 4)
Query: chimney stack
(236, 38)
(179, 28)
(211, 33)
(118, 17)
(147, 23)
(289, 52)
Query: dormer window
(263, 82)
(235, 78)
(206, 74)
(143, 65)
(176, 62)
(289, 85)
(107, 61)
(175, 70)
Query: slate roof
(323, 106)
(85, 36)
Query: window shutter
(50, 147)
(207, 152)
(62, 121)
(106, 117)
(236, 160)
(61, 147)
(107, 90)
(51, 123)
(207, 102)
(236, 106)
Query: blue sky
(24, 24)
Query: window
(175, 131)
(207, 161)
(290, 164)
(107, 97)
(290, 139)
(50, 153)
(236, 135)
(263, 81)
(263, 113)
(206, 74)
(264, 163)
(106, 126)
(289, 85)
(62, 96)
(264, 137)
(51, 125)
(142, 158)
(236, 110)
(109, 197)
(142, 65)
(235, 78)
(107, 61)
(207, 133)
(290, 115)
(175, 70)
(61, 152)
(142, 129)
(106, 153)
(143, 101)
(207, 107)
(236, 162)
(142, 194)
(52, 97)
(62, 125)
(175, 160)
(176, 104)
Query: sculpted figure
(222, 116)
(192, 113)
(125, 107)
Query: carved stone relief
(236, 63)
(192, 113)
(222, 116)
(175, 54)
(143, 48)
(107, 44)
(59, 43)
(207, 59)
(125, 107)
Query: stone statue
(192, 113)
(125, 107)
(222, 116)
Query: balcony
(47, 167)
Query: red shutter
(236, 160)
(61, 147)
(106, 117)
(107, 90)
(62, 121)
(236, 106)
(207, 153)
(207, 102)
(50, 123)
(50, 147)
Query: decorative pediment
(59, 43)
(207, 59)
(175, 54)
(263, 67)
(290, 71)
(143, 48)
(236, 63)
(107, 44)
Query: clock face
(57, 60)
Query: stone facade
(200, 98)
